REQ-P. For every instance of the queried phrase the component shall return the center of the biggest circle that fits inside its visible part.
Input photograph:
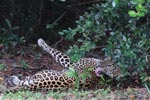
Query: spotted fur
(57, 80)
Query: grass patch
(99, 94)
(69, 95)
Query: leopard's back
(53, 80)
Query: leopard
(108, 66)
(60, 80)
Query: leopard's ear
(107, 58)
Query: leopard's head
(107, 67)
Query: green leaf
(2, 67)
(124, 38)
(147, 58)
(50, 26)
(148, 90)
(140, 1)
(61, 33)
(140, 14)
(4, 30)
(115, 2)
(132, 13)
(62, 0)
(8, 23)
(24, 64)
(75, 57)
(86, 73)
(85, 76)
(88, 23)
(15, 28)
(127, 45)
(102, 78)
(71, 72)
(139, 7)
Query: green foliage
(86, 73)
(105, 92)
(73, 73)
(145, 80)
(124, 33)
(104, 81)
(8, 36)
(140, 9)
(33, 19)
(76, 52)
(128, 51)
(2, 67)
(24, 64)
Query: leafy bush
(8, 37)
(125, 36)
(28, 20)
(36, 19)
(140, 10)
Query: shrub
(8, 36)
(125, 36)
